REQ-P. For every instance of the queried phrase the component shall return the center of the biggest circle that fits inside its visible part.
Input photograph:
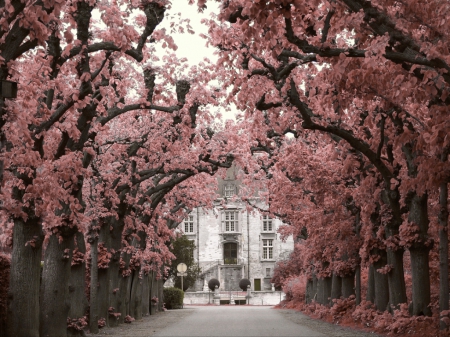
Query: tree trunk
(160, 283)
(124, 289)
(324, 290)
(336, 285)
(370, 296)
(443, 252)
(396, 275)
(309, 293)
(358, 285)
(23, 308)
(348, 285)
(93, 312)
(154, 291)
(381, 286)
(113, 270)
(145, 295)
(55, 303)
(136, 296)
(419, 252)
(77, 295)
(103, 273)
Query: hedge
(173, 298)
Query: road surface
(230, 321)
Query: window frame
(229, 190)
(189, 220)
(266, 220)
(267, 249)
(230, 225)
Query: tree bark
(154, 292)
(23, 307)
(381, 283)
(336, 287)
(358, 285)
(370, 296)
(55, 303)
(77, 295)
(419, 251)
(443, 252)
(348, 285)
(93, 312)
(136, 296)
(145, 295)
(324, 290)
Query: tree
(183, 250)
(372, 75)
(74, 85)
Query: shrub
(173, 298)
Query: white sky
(192, 46)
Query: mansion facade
(233, 243)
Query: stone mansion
(233, 243)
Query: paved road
(236, 321)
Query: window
(229, 190)
(267, 249)
(189, 224)
(230, 253)
(230, 220)
(267, 224)
(267, 272)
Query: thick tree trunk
(443, 252)
(324, 290)
(160, 283)
(136, 296)
(396, 275)
(145, 295)
(93, 312)
(348, 285)
(124, 289)
(358, 285)
(336, 287)
(23, 307)
(370, 296)
(103, 274)
(55, 303)
(381, 283)
(113, 270)
(419, 252)
(154, 291)
(77, 295)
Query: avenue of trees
(344, 127)
(346, 105)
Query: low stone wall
(257, 297)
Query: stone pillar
(216, 296)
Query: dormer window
(229, 190)
(267, 224)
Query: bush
(173, 298)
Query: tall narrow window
(189, 224)
(230, 221)
(230, 253)
(267, 224)
(229, 190)
(267, 249)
